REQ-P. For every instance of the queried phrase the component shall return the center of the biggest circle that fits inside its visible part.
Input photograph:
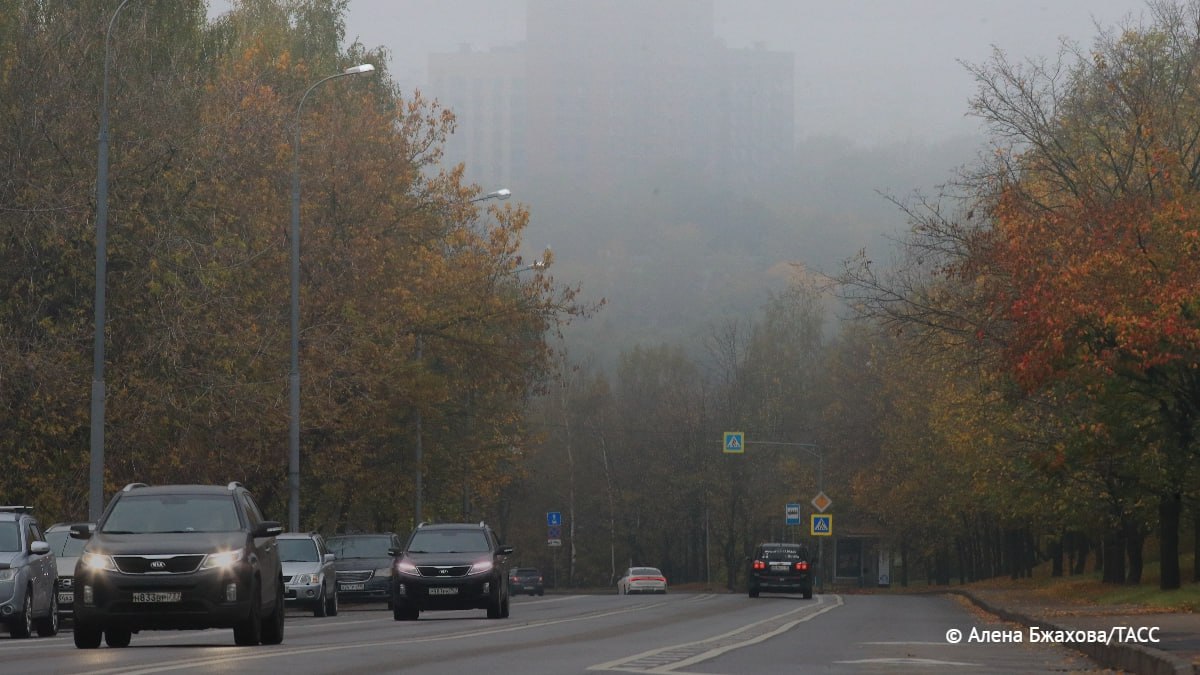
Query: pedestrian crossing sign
(821, 525)
(735, 442)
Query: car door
(43, 571)
(328, 575)
(268, 554)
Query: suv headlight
(481, 567)
(406, 567)
(306, 579)
(384, 571)
(8, 574)
(223, 560)
(99, 561)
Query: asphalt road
(678, 633)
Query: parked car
(450, 566)
(28, 575)
(642, 580)
(66, 550)
(364, 566)
(308, 574)
(179, 557)
(782, 568)
(525, 580)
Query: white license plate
(781, 568)
(352, 587)
(443, 590)
(175, 596)
(66, 597)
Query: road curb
(1133, 658)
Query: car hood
(165, 544)
(291, 569)
(448, 558)
(342, 564)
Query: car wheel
(331, 602)
(271, 630)
(504, 609)
(86, 636)
(118, 637)
(495, 607)
(48, 626)
(23, 626)
(248, 631)
(320, 607)
(541, 593)
(753, 592)
(808, 594)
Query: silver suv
(308, 574)
(66, 550)
(27, 575)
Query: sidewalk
(1176, 653)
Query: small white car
(642, 580)
(308, 574)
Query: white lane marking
(910, 662)
(167, 666)
(623, 663)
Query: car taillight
(539, 580)
(802, 566)
(760, 565)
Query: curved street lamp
(419, 479)
(96, 466)
(294, 372)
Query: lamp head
(360, 68)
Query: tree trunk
(1170, 506)
(1135, 540)
(1057, 547)
(904, 559)
(1196, 545)
(1081, 546)
(1114, 555)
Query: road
(679, 633)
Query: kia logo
(158, 565)
(443, 571)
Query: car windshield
(645, 572)
(298, 550)
(63, 545)
(360, 547)
(149, 514)
(449, 541)
(10, 537)
(781, 554)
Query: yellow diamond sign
(821, 502)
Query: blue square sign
(553, 518)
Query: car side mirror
(268, 528)
(39, 548)
(329, 557)
(81, 531)
(393, 552)
(505, 550)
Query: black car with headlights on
(780, 568)
(179, 557)
(450, 566)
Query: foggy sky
(875, 71)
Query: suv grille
(354, 575)
(443, 571)
(158, 564)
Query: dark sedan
(363, 565)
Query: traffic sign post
(735, 443)
(791, 514)
(821, 525)
(821, 502)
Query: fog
(680, 232)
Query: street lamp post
(418, 452)
(96, 468)
(294, 372)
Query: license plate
(781, 568)
(352, 587)
(158, 597)
(443, 590)
(66, 597)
